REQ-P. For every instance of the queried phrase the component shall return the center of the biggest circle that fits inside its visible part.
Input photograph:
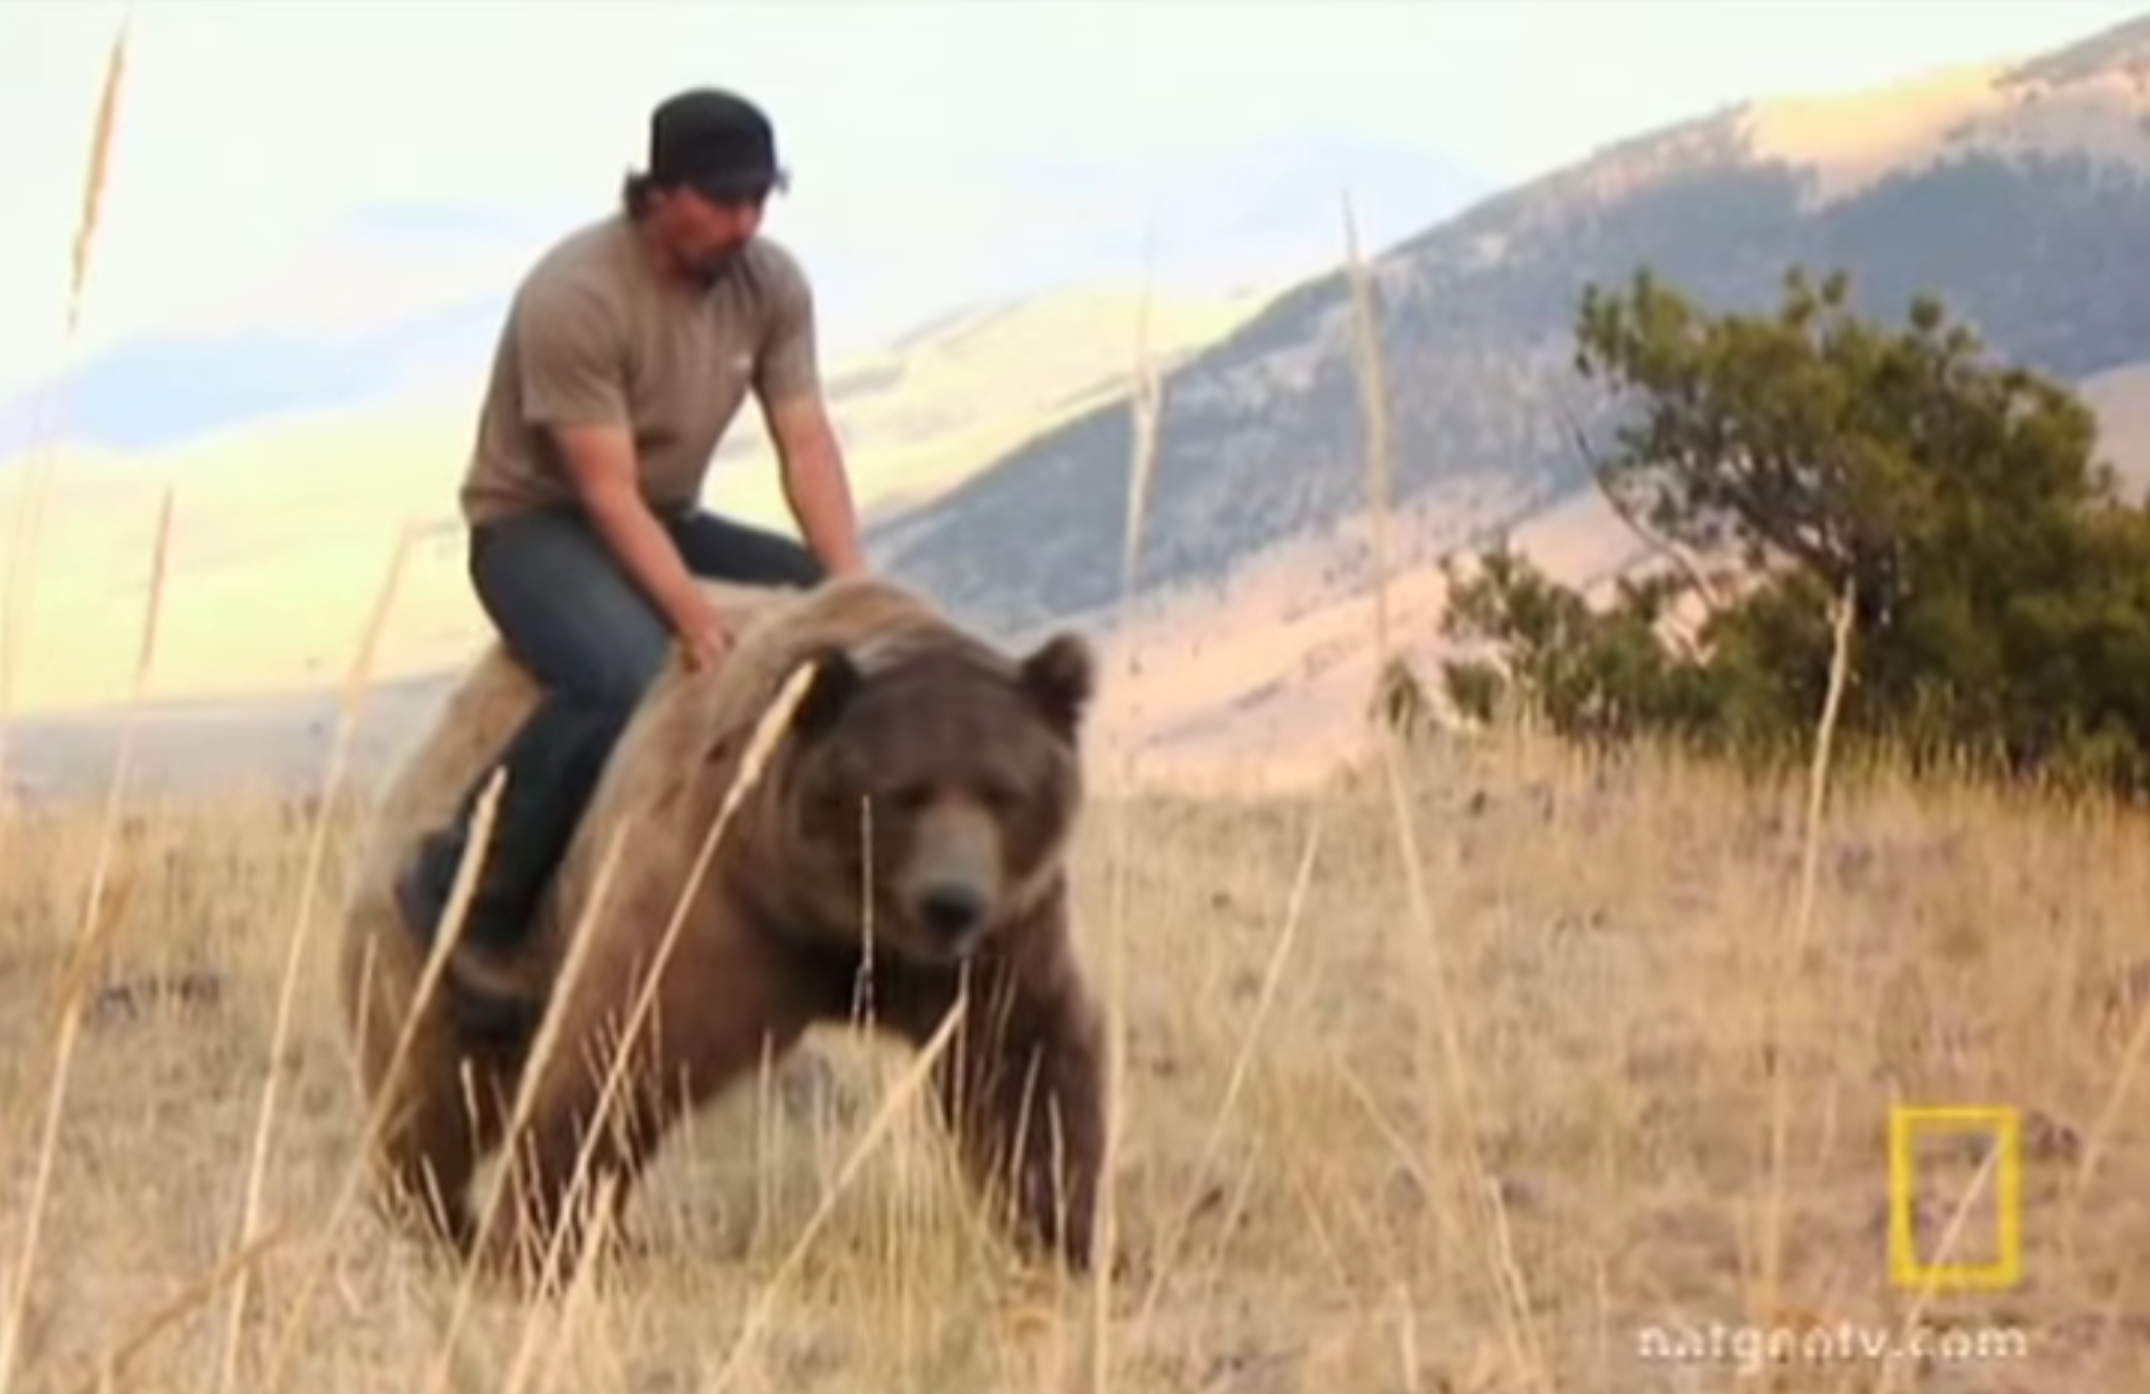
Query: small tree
(2002, 589)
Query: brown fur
(972, 763)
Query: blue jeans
(564, 606)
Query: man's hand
(704, 637)
(601, 461)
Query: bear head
(932, 788)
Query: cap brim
(730, 186)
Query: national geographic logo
(2005, 1127)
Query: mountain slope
(947, 399)
(2018, 193)
(2121, 399)
(289, 519)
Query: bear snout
(951, 882)
(951, 910)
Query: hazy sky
(248, 127)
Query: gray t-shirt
(597, 336)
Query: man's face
(702, 233)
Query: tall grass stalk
(1145, 404)
(911, 1084)
(352, 703)
(1167, 1250)
(357, 1171)
(75, 974)
(1486, 1208)
(34, 475)
(1373, 407)
(1792, 969)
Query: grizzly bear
(905, 835)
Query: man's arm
(601, 461)
(816, 485)
(570, 361)
(787, 382)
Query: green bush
(1999, 586)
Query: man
(627, 352)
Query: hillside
(2020, 193)
(948, 398)
(288, 520)
(306, 409)
(2121, 398)
(2016, 191)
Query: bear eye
(907, 798)
(998, 795)
(838, 807)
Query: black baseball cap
(716, 143)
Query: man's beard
(711, 267)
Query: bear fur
(922, 763)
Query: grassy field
(1488, 1135)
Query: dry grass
(1477, 1071)
(1294, 1195)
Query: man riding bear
(627, 352)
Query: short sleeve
(787, 367)
(569, 356)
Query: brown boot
(488, 994)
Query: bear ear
(1061, 676)
(835, 681)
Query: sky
(250, 132)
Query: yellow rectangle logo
(2004, 1125)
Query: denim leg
(724, 550)
(569, 612)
